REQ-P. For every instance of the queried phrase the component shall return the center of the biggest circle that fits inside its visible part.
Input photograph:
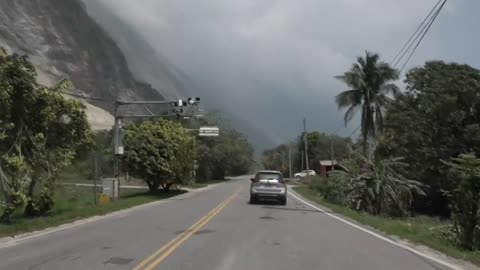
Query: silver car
(268, 185)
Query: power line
(396, 60)
(424, 33)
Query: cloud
(272, 62)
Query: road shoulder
(418, 249)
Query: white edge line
(417, 252)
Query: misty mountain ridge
(63, 41)
(103, 56)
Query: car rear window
(269, 176)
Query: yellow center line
(167, 253)
(177, 241)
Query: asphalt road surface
(215, 229)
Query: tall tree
(228, 154)
(371, 88)
(40, 134)
(276, 159)
(161, 153)
(436, 119)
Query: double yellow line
(156, 258)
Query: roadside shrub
(316, 183)
(161, 153)
(41, 205)
(445, 232)
(336, 188)
(465, 199)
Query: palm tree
(381, 187)
(371, 88)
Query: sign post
(203, 132)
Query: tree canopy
(436, 119)
(370, 89)
(159, 152)
(228, 154)
(40, 134)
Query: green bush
(161, 153)
(333, 189)
(445, 232)
(337, 189)
(42, 204)
(316, 183)
(465, 199)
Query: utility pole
(290, 160)
(306, 144)
(303, 156)
(331, 144)
(195, 160)
(95, 179)
(117, 146)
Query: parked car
(304, 173)
(268, 185)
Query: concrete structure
(326, 166)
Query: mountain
(63, 41)
(103, 56)
(145, 63)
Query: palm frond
(418, 190)
(378, 118)
(386, 72)
(348, 98)
(350, 113)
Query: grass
(73, 203)
(417, 229)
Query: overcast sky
(272, 62)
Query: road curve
(214, 230)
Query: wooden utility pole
(306, 144)
(290, 173)
(301, 165)
(333, 154)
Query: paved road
(227, 233)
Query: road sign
(209, 132)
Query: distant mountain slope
(145, 63)
(64, 41)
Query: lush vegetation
(437, 118)
(226, 155)
(424, 159)
(376, 186)
(41, 132)
(159, 152)
(46, 142)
